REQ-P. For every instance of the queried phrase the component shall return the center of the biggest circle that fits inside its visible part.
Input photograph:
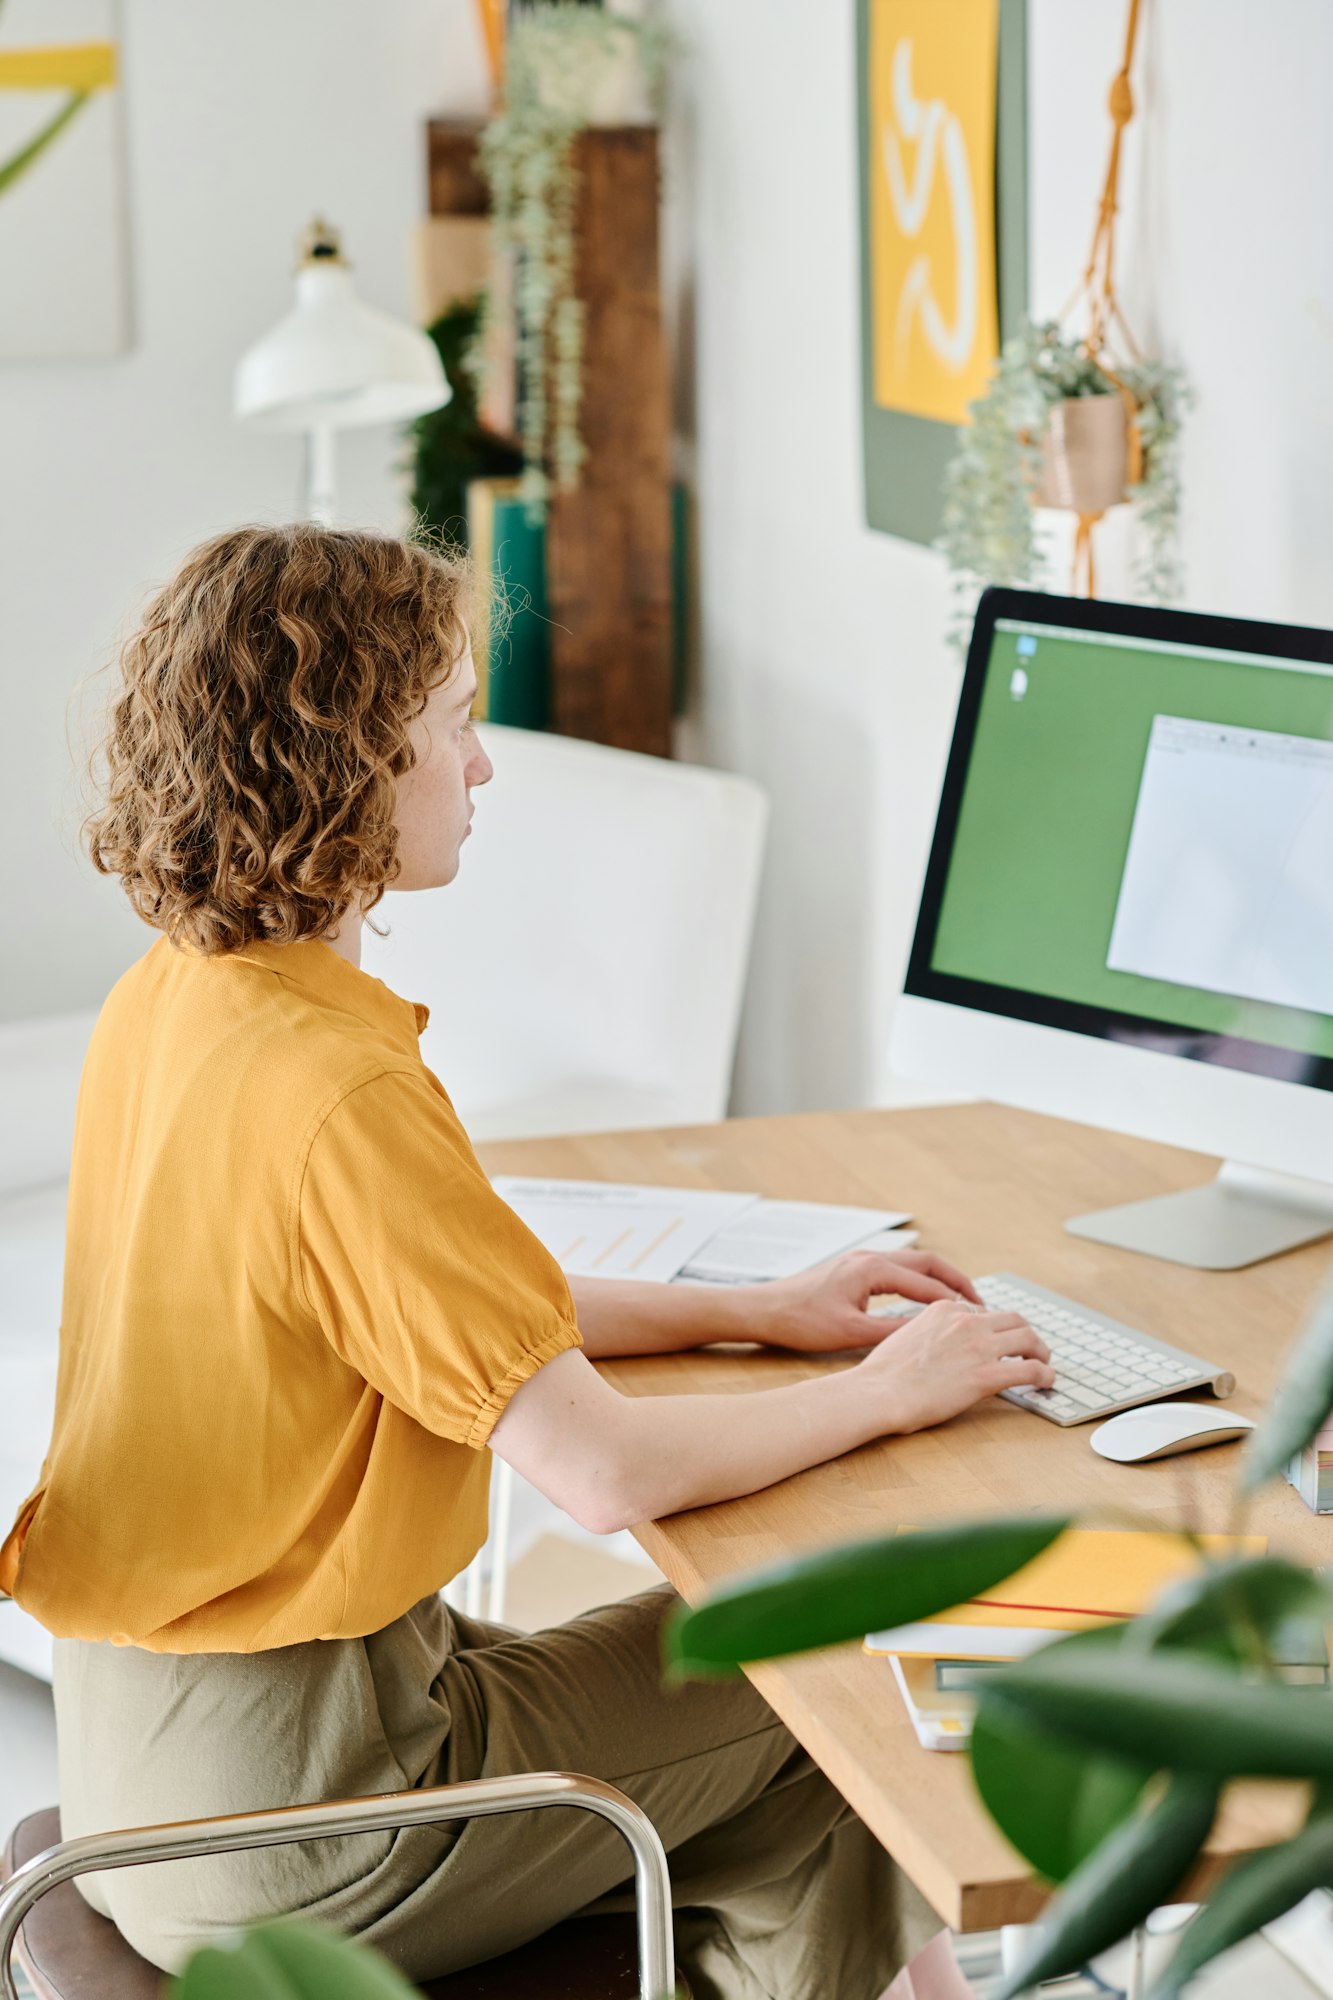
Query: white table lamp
(333, 363)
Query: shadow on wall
(807, 1029)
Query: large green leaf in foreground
(1241, 1611)
(1139, 1867)
(1055, 1801)
(1301, 1403)
(841, 1594)
(1255, 1892)
(1172, 1711)
(291, 1962)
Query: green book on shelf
(514, 654)
(514, 657)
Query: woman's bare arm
(612, 1461)
(819, 1310)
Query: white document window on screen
(1227, 885)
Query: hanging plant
(1064, 425)
(567, 67)
(1058, 428)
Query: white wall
(241, 121)
(825, 672)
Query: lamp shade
(334, 362)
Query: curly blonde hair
(262, 719)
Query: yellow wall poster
(931, 170)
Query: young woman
(297, 1320)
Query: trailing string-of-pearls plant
(565, 65)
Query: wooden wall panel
(455, 185)
(609, 542)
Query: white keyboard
(1100, 1365)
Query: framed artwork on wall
(942, 139)
(63, 250)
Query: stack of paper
(939, 1698)
(691, 1235)
(775, 1239)
(604, 1230)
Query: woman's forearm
(690, 1451)
(612, 1460)
(618, 1316)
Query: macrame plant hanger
(1097, 294)
(491, 20)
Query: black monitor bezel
(1135, 621)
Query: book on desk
(1091, 1577)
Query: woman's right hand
(949, 1357)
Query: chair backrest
(597, 934)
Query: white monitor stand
(1239, 1217)
(1244, 1214)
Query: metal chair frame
(138, 1845)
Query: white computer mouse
(1156, 1430)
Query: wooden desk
(990, 1187)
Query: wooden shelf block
(454, 180)
(609, 541)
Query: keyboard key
(1099, 1365)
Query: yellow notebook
(1090, 1577)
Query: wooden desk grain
(990, 1187)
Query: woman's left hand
(825, 1309)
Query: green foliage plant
(451, 446)
(1103, 1756)
(297, 1961)
(990, 533)
(290, 1961)
(562, 63)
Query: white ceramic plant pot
(612, 91)
(1084, 455)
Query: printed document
(606, 1229)
(775, 1239)
(601, 1229)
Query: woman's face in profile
(435, 797)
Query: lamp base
(319, 475)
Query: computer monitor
(1127, 916)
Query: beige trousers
(780, 1891)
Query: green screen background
(1048, 803)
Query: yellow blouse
(294, 1310)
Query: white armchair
(585, 971)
